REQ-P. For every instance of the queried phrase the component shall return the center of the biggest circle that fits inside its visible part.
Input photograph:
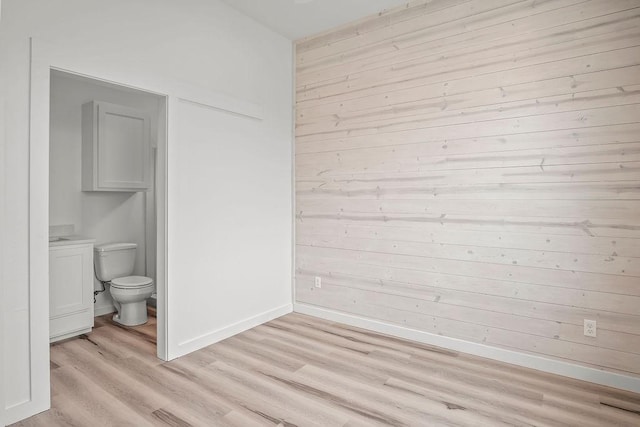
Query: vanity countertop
(69, 240)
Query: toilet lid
(131, 282)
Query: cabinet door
(123, 148)
(70, 281)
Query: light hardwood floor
(303, 371)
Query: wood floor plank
(303, 371)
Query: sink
(70, 239)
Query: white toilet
(114, 263)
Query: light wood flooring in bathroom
(302, 371)
(147, 332)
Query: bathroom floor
(147, 332)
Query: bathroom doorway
(107, 175)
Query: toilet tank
(114, 260)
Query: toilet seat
(131, 282)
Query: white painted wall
(2, 234)
(2, 142)
(105, 216)
(233, 177)
(2, 238)
(15, 273)
(161, 46)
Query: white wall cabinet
(70, 290)
(116, 149)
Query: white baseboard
(24, 410)
(101, 311)
(540, 363)
(213, 337)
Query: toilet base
(131, 304)
(131, 314)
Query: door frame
(44, 58)
(3, 402)
(42, 62)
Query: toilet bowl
(130, 296)
(114, 264)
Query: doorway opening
(107, 163)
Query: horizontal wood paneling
(472, 169)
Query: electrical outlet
(318, 282)
(590, 328)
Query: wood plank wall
(471, 168)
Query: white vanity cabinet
(70, 289)
(116, 148)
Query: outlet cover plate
(590, 328)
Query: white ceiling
(295, 19)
